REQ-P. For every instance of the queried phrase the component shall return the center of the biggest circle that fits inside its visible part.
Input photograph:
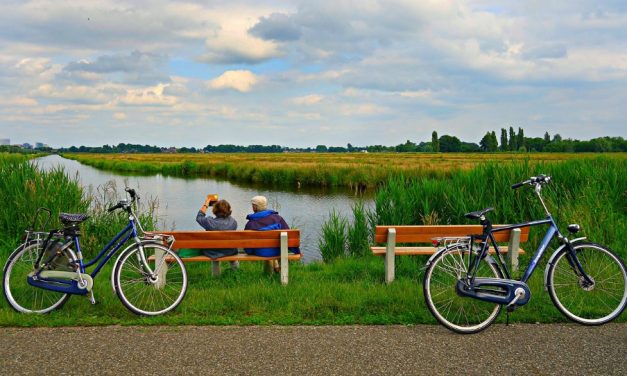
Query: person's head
(221, 209)
(259, 203)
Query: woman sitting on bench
(222, 221)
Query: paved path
(307, 350)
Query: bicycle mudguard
(552, 260)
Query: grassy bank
(356, 170)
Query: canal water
(180, 198)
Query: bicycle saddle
(70, 219)
(477, 214)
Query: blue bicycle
(44, 271)
(465, 287)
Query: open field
(313, 169)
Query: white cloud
(119, 116)
(240, 80)
(308, 100)
(364, 109)
(151, 96)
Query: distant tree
(349, 147)
(547, 138)
(469, 147)
(557, 138)
(534, 144)
(337, 149)
(435, 143)
(321, 148)
(520, 139)
(512, 139)
(488, 142)
(450, 144)
(504, 145)
(408, 146)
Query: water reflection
(180, 198)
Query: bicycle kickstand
(92, 298)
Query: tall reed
(332, 241)
(591, 192)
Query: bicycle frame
(130, 231)
(551, 232)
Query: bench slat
(423, 251)
(425, 234)
(232, 239)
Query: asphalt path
(519, 349)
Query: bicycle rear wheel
(146, 294)
(594, 304)
(21, 296)
(458, 313)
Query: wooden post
(389, 256)
(284, 261)
(215, 268)
(163, 271)
(512, 250)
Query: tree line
(510, 140)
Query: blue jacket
(263, 221)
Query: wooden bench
(282, 239)
(392, 235)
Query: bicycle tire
(445, 304)
(142, 294)
(21, 296)
(589, 305)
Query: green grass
(349, 291)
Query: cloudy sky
(302, 73)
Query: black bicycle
(465, 287)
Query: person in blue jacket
(263, 219)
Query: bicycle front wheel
(460, 314)
(21, 296)
(145, 293)
(585, 303)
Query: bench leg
(513, 248)
(161, 274)
(284, 261)
(268, 267)
(389, 256)
(215, 268)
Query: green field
(315, 169)
(348, 289)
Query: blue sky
(302, 73)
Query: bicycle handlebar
(125, 203)
(117, 206)
(540, 179)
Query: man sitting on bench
(263, 219)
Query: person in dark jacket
(263, 219)
(222, 221)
